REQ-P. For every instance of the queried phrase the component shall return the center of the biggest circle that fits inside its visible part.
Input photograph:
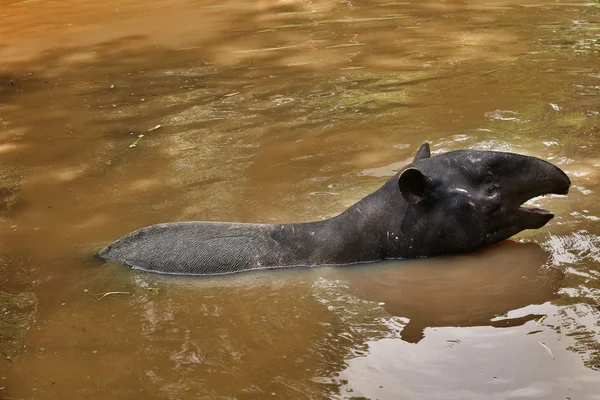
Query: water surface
(289, 111)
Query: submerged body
(450, 203)
(212, 248)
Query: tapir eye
(491, 190)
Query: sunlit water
(289, 111)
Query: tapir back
(199, 248)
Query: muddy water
(282, 111)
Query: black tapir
(450, 203)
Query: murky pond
(289, 111)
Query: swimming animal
(449, 203)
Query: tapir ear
(413, 185)
(423, 152)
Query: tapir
(454, 202)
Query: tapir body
(450, 203)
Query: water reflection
(460, 291)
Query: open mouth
(559, 186)
(533, 179)
(533, 217)
(537, 213)
(536, 210)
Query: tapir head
(462, 200)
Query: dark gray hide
(450, 203)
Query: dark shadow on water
(461, 291)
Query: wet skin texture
(450, 203)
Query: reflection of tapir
(450, 203)
(464, 290)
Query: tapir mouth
(533, 218)
(536, 210)
(537, 217)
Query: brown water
(288, 111)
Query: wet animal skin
(449, 203)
